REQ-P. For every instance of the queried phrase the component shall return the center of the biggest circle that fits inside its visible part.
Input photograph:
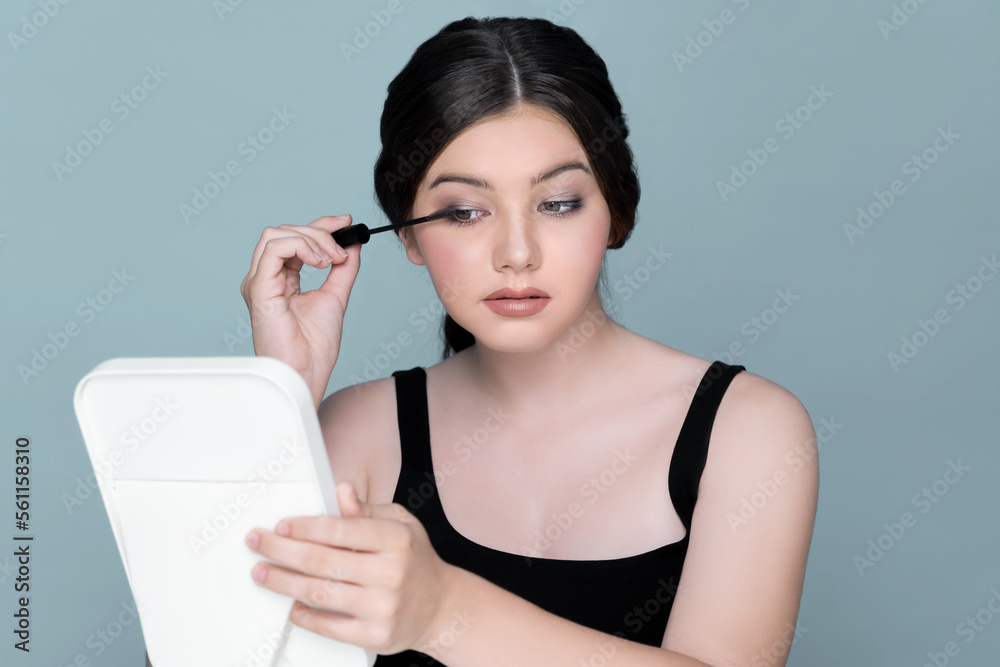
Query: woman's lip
(517, 307)
(507, 293)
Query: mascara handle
(351, 235)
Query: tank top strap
(691, 451)
(411, 413)
(416, 488)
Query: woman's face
(537, 219)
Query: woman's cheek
(583, 252)
(451, 274)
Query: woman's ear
(410, 242)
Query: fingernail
(252, 539)
(342, 217)
(340, 251)
(282, 528)
(259, 573)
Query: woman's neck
(574, 365)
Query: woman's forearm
(482, 625)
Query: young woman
(531, 499)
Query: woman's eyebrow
(485, 185)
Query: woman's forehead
(525, 145)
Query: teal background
(60, 241)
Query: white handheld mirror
(190, 454)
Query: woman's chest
(589, 486)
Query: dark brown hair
(473, 69)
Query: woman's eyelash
(572, 205)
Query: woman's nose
(515, 243)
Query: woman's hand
(369, 577)
(302, 329)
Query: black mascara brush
(360, 233)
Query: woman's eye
(465, 215)
(561, 207)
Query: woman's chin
(496, 340)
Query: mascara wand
(359, 234)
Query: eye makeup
(359, 234)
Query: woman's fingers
(288, 247)
(313, 233)
(321, 233)
(327, 593)
(371, 535)
(276, 253)
(275, 257)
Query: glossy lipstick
(517, 303)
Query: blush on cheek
(589, 248)
(452, 274)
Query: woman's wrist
(317, 384)
(452, 602)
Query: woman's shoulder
(747, 389)
(361, 430)
(358, 423)
(751, 403)
(760, 427)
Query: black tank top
(628, 597)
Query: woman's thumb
(350, 505)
